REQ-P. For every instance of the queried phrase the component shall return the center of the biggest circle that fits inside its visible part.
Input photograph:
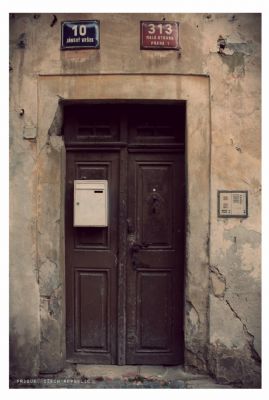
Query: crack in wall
(190, 306)
(248, 335)
(199, 363)
(52, 302)
(192, 318)
(218, 282)
(215, 269)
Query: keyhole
(154, 204)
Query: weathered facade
(217, 76)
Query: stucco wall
(222, 48)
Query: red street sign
(159, 35)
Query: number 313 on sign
(159, 35)
(166, 29)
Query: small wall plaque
(80, 35)
(159, 35)
(232, 204)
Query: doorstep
(120, 377)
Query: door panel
(92, 306)
(156, 259)
(91, 266)
(154, 206)
(154, 310)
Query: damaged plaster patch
(249, 336)
(249, 257)
(21, 42)
(242, 293)
(195, 359)
(240, 236)
(233, 366)
(50, 348)
(57, 123)
(233, 53)
(224, 327)
(55, 132)
(232, 355)
(242, 243)
(56, 143)
(218, 281)
(52, 303)
(235, 62)
(48, 277)
(192, 317)
(229, 46)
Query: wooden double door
(125, 282)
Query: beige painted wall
(233, 99)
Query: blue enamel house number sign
(80, 35)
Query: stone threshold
(120, 377)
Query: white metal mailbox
(90, 203)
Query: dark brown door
(155, 267)
(91, 265)
(124, 282)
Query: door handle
(134, 249)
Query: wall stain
(235, 62)
(233, 366)
(21, 42)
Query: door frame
(122, 88)
(124, 153)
